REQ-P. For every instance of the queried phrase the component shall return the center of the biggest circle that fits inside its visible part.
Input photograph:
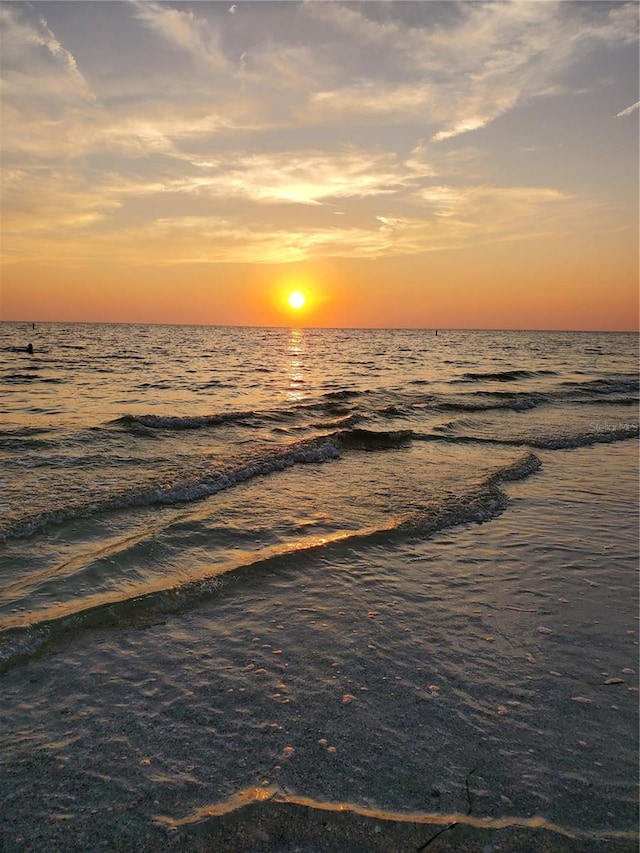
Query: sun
(296, 299)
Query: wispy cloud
(303, 177)
(44, 199)
(503, 208)
(629, 110)
(51, 77)
(473, 66)
(134, 132)
(40, 200)
(183, 29)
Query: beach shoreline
(74, 780)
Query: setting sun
(296, 299)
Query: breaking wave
(306, 451)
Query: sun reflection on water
(296, 366)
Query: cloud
(292, 65)
(461, 217)
(40, 200)
(420, 160)
(499, 205)
(45, 199)
(36, 69)
(403, 101)
(629, 110)
(132, 132)
(326, 109)
(303, 177)
(460, 71)
(56, 210)
(232, 241)
(619, 27)
(49, 110)
(182, 29)
(448, 73)
(198, 240)
(464, 126)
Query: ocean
(386, 573)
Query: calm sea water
(292, 518)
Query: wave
(610, 401)
(597, 435)
(343, 394)
(393, 411)
(23, 378)
(176, 422)
(339, 423)
(624, 384)
(367, 439)
(306, 451)
(345, 403)
(613, 393)
(480, 504)
(21, 436)
(617, 391)
(24, 431)
(342, 437)
(118, 356)
(311, 450)
(516, 404)
(504, 375)
(169, 423)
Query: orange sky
(376, 156)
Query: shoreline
(500, 645)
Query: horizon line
(320, 328)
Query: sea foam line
(273, 794)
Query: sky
(401, 164)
